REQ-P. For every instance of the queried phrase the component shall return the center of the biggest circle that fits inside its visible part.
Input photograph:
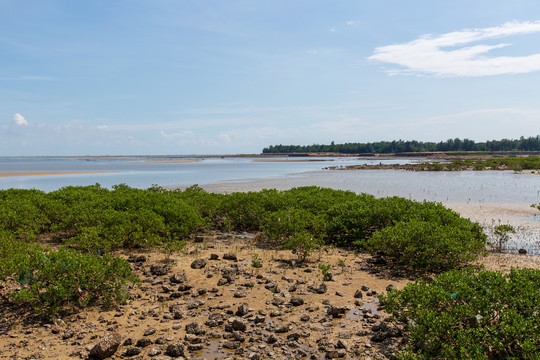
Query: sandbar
(41, 173)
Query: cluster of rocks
(222, 307)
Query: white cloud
(102, 127)
(427, 54)
(20, 120)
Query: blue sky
(221, 77)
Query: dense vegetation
(92, 221)
(466, 315)
(458, 315)
(402, 146)
(495, 163)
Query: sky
(149, 77)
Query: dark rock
(159, 270)
(193, 339)
(178, 278)
(198, 264)
(391, 287)
(522, 251)
(379, 337)
(272, 339)
(144, 342)
(107, 346)
(364, 288)
(240, 294)
(214, 257)
(305, 318)
(238, 325)
(132, 351)
(297, 301)
(335, 354)
(242, 310)
(136, 258)
(184, 287)
(282, 329)
(175, 350)
(68, 334)
(199, 239)
(337, 311)
(195, 347)
(232, 257)
(320, 290)
(194, 328)
(232, 344)
(223, 281)
(293, 337)
(358, 294)
(150, 331)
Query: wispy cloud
(430, 54)
(20, 120)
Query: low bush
(464, 315)
(429, 246)
(52, 280)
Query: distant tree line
(401, 146)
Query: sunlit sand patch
(42, 173)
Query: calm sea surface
(280, 173)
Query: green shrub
(463, 315)
(429, 246)
(52, 280)
(296, 229)
(502, 235)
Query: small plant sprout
(342, 265)
(325, 271)
(502, 235)
(256, 261)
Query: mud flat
(212, 303)
(42, 173)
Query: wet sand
(42, 173)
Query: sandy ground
(38, 173)
(162, 309)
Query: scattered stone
(144, 342)
(522, 251)
(232, 344)
(198, 264)
(391, 287)
(107, 346)
(159, 270)
(336, 311)
(175, 350)
(240, 293)
(238, 325)
(242, 310)
(178, 278)
(136, 258)
(150, 331)
(132, 351)
(297, 301)
(214, 257)
(358, 294)
(199, 239)
(282, 329)
(194, 328)
(232, 257)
